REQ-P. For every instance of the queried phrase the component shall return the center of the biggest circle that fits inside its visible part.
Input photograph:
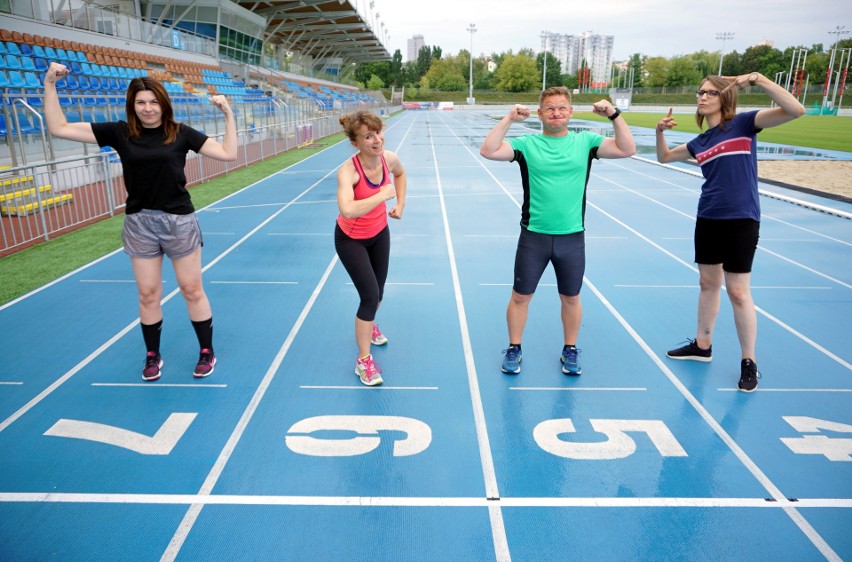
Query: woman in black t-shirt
(159, 216)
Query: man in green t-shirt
(554, 171)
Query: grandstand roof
(320, 28)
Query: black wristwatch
(614, 115)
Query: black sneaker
(748, 376)
(692, 352)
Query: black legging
(366, 261)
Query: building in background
(573, 50)
(414, 46)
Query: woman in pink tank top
(361, 235)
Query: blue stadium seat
(12, 61)
(16, 79)
(12, 48)
(31, 80)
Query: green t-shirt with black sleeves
(554, 173)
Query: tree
(637, 64)
(424, 61)
(554, 69)
(445, 75)
(517, 74)
(375, 83)
(764, 59)
(682, 71)
(656, 69)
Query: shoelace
(511, 353)
(371, 369)
(205, 358)
(152, 361)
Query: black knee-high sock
(151, 333)
(204, 332)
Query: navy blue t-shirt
(153, 172)
(727, 155)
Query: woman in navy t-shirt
(728, 222)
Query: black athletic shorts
(729, 242)
(567, 252)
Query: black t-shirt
(153, 172)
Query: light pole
(544, 36)
(723, 36)
(472, 30)
(838, 30)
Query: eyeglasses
(710, 93)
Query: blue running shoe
(512, 361)
(571, 361)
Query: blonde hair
(728, 99)
(554, 91)
(351, 122)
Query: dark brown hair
(727, 97)
(351, 122)
(170, 126)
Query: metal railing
(41, 200)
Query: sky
(651, 27)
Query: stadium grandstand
(285, 66)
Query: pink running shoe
(153, 364)
(378, 337)
(368, 371)
(206, 362)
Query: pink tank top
(370, 224)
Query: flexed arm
(788, 108)
(495, 147)
(227, 151)
(623, 144)
(57, 124)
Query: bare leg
(745, 317)
(148, 273)
(188, 272)
(710, 281)
(572, 316)
(516, 316)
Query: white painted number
(417, 438)
(833, 448)
(161, 443)
(618, 444)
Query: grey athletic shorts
(150, 234)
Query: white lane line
(254, 282)
(498, 529)
(424, 501)
(158, 385)
(806, 528)
(788, 287)
(373, 388)
(12, 383)
(191, 516)
(762, 389)
(759, 310)
(578, 389)
(194, 510)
